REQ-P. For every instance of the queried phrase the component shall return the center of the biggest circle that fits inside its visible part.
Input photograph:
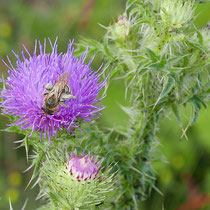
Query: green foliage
(164, 60)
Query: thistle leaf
(151, 54)
(26, 144)
(169, 84)
(196, 106)
(10, 205)
(14, 129)
(114, 72)
(176, 112)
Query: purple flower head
(49, 91)
(83, 167)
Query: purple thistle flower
(27, 83)
(82, 167)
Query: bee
(56, 94)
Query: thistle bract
(75, 183)
(27, 82)
(120, 30)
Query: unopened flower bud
(121, 28)
(176, 13)
(77, 183)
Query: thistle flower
(37, 75)
(75, 183)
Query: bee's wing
(60, 84)
(63, 78)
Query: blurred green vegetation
(23, 21)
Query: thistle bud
(176, 13)
(121, 28)
(78, 182)
(82, 167)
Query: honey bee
(56, 94)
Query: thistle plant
(164, 61)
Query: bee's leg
(49, 86)
(65, 96)
(46, 93)
(62, 104)
(67, 89)
(61, 99)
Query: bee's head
(47, 111)
(50, 103)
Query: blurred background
(184, 179)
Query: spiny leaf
(158, 65)
(152, 55)
(200, 37)
(169, 84)
(10, 205)
(197, 46)
(108, 51)
(196, 108)
(175, 109)
(53, 198)
(175, 60)
(129, 3)
(14, 129)
(24, 205)
(36, 163)
(114, 72)
(26, 146)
